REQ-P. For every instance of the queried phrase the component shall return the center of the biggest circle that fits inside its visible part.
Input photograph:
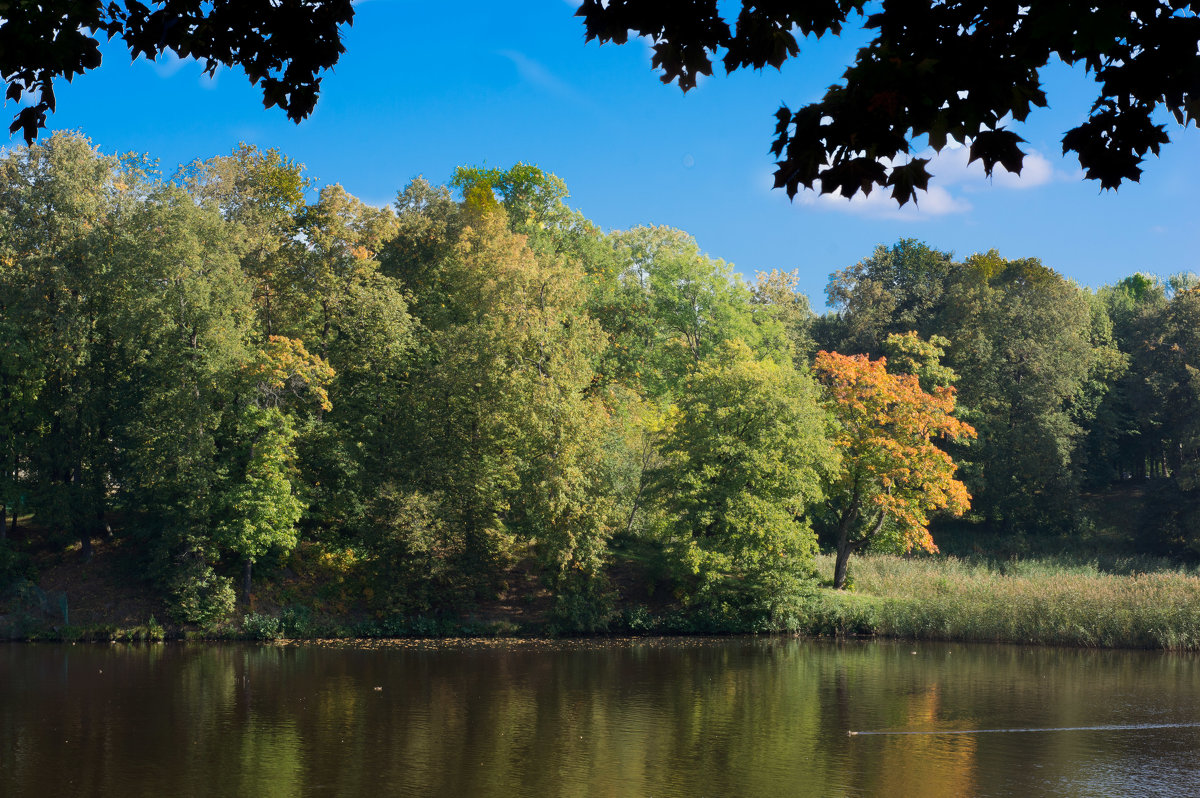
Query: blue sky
(425, 87)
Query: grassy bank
(1114, 601)
(1127, 603)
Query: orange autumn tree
(891, 474)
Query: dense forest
(477, 382)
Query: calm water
(655, 718)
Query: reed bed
(1128, 604)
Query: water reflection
(672, 718)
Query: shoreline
(836, 618)
(1131, 603)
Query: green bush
(417, 560)
(199, 595)
(296, 621)
(581, 606)
(154, 629)
(637, 619)
(261, 627)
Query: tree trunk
(843, 560)
(3, 522)
(85, 541)
(846, 546)
(102, 525)
(246, 566)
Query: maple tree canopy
(937, 71)
(281, 44)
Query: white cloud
(880, 205)
(535, 73)
(953, 177)
(1035, 171)
(951, 166)
(169, 63)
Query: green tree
(262, 195)
(1023, 350)
(535, 204)
(1124, 440)
(341, 238)
(896, 290)
(777, 295)
(428, 224)
(357, 319)
(60, 205)
(1127, 302)
(194, 327)
(256, 508)
(1094, 406)
(259, 509)
(501, 428)
(667, 307)
(743, 455)
(1169, 363)
(911, 354)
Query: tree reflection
(682, 718)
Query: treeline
(1068, 389)
(214, 369)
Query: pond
(681, 717)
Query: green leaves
(668, 307)
(468, 385)
(743, 453)
(257, 508)
(1022, 346)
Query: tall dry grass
(1128, 604)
